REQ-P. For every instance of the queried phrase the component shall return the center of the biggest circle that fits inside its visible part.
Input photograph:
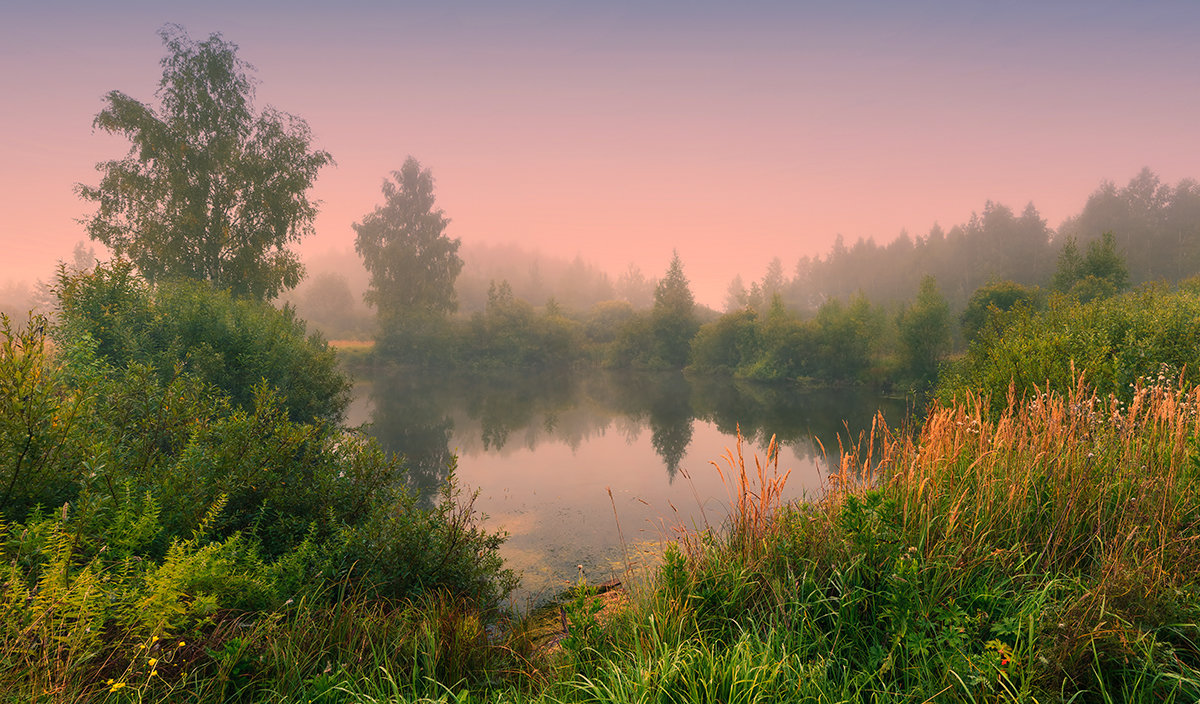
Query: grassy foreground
(1049, 553)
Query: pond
(544, 452)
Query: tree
(413, 264)
(633, 286)
(990, 300)
(1070, 266)
(925, 332)
(673, 318)
(1101, 273)
(210, 188)
(234, 345)
(736, 297)
(773, 281)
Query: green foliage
(511, 334)
(634, 340)
(924, 328)
(604, 321)
(837, 346)
(992, 298)
(189, 327)
(1114, 342)
(673, 317)
(412, 263)
(1099, 274)
(727, 344)
(210, 188)
(844, 335)
(401, 551)
(39, 432)
(141, 504)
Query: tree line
(213, 189)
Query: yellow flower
(181, 644)
(116, 686)
(153, 662)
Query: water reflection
(413, 422)
(429, 419)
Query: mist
(1157, 226)
(619, 134)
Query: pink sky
(618, 133)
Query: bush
(1114, 342)
(727, 344)
(188, 326)
(139, 503)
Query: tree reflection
(410, 420)
(671, 421)
(420, 416)
(812, 422)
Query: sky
(620, 131)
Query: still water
(543, 452)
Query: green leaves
(413, 264)
(209, 189)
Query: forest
(870, 315)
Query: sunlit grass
(357, 345)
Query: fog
(1156, 224)
(615, 133)
(1157, 227)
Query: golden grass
(754, 497)
(1070, 485)
(354, 345)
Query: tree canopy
(413, 264)
(924, 328)
(1098, 274)
(674, 316)
(211, 189)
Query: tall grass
(1048, 552)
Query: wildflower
(153, 662)
(181, 644)
(116, 685)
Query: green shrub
(1113, 342)
(189, 326)
(140, 503)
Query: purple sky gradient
(730, 132)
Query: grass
(1050, 552)
(352, 345)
